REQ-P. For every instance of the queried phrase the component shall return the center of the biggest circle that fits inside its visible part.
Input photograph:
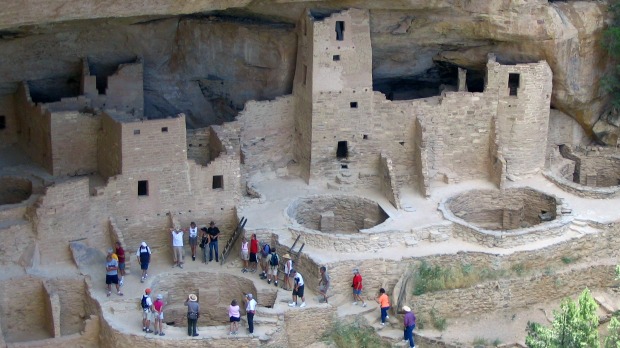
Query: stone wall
(125, 91)
(74, 142)
(306, 326)
(267, 130)
(198, 149)
(109, 158)
(599, 171)
(8, 135)
(23, 300)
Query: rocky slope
(208, 62)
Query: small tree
(575, 325)
(613, 338)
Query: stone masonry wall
(109, 157)
(23, 300)
(267, 130)
(600, 171)
(308, 325)
(198, 145)
(74, 142)
(8, 135)
(125, 90)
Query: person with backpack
(144, 258)
(265, 251)
(274, 261)
(158, 310)
(147, 305)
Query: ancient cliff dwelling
(471, 138)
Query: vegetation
(611, 42)
(354, 335)
(430, 278)
(438, 322)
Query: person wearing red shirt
(120, 253)
(253, 252)
(357, 288)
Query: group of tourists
(209, 238)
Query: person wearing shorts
(235, 317)
(298, 289)
(147, 306)
(245, 254)
(288, 266)
(357, 288)
(120, 253)
(253, 252)
(111, 275)
(144, 258)
(193, 239)
(158, 308)
(324, 283)
(177, 246)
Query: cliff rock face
(208, 65)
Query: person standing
(274, 261)
(250, 309)
(288, 266)
(384, 303)
(324, 283)
(120, 253)
(235, 317)
(357, 288)
(214, 235)
(245, 254)
(177, 246)
(193, 239)
(204, 243)
(111, 275)
(158, 309)
(144, 258)
(147, 307)
(253, 253)
(409, 324)
(193, 312)
(298, 289)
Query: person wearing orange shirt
(384, 303)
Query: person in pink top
(235, 317)
(158, 307)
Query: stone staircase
(582, 227)
(345, 181)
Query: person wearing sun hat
(409, 324)
(193, 312)
(288, 266)
(158, 308)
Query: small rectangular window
(2, 122)
(513, 83)
(336, 57)
(339, 30)
(353, 105)
(365, 136)
(136, 132)
(143, 188)
(218, 182)
(343, 150)
(164, 129)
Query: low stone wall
(306, 326)
(582, 190)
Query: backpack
(266, 250)
(145, 254)
(274, 261)
(143, 303)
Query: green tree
(575, 325)
(611, 42)
(613, 338)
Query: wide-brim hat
(406, 309)
(286, 256)
(193, 298)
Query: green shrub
(480, 342)
(354, 335)
(438, 322)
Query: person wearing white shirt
(177, 246)
(298, 289)
(193, 239)
(250, 310)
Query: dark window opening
(164, 129)
(344, 166)
(475, 80)
(136, 132)
(365, 136)
(432, 82)
(402, 143)
(353, 105)
(336, 57)
(343, 150)
(2, 122)
(218, 182)
(143, 188)
(513, 83)
(339, 30)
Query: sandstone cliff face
(209, 66)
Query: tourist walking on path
(214, 235)
(274, 261)
(357, 288)
(158, 309)
(409, 324)
(288, 266)
(245, 253)
(298, 289)
(193, 312)
(324, 283)
(250, 310)
(111, 275)
(177, 247)
(384, 303)
(193, 239)
(235, 317)
(147, 307)
(265, 251)
(120, 253)
(204, 243)
(253, 253)
(144, 258)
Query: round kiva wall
(336, 214)
(14, 190)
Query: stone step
(583, 229)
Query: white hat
(193, 298)
(160, 297)
(406, 309)
(143, 244)
(249, 295)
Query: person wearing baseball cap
(409, 324)
(146, 303)
(250, 309)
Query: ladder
(232, 240)
(294, 257)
